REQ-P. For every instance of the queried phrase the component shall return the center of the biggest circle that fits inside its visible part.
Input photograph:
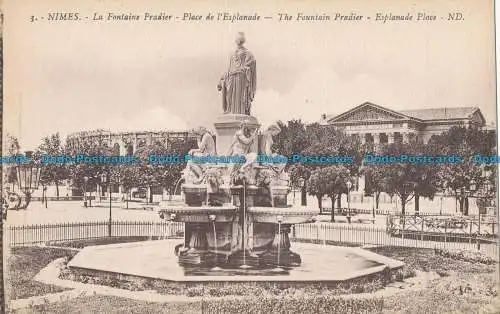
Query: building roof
(418, 115)
(441, 113)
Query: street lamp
(303, 196)
(373, 206)
(28, 177)
(85, 180)
(349, 186)
(44, 199)
(106, 179)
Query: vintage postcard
(249, 156)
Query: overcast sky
(65, 77)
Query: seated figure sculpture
(241, 146)
(194, 172)
(271, 170)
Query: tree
(316, 186)
(330, 181)
(467, 175)
(299, 177)
(406, 179)
(93, 171)
(166, 174)
(329, 141)
(376, 180)
(292, 139)
(53, 172)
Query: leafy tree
(375, 177)
(330, 181)
(328, 141)
(316, 186)
(53, 173)
(93, 171)
(292, 139)
(300, 174)
(407, 180)
(150, 175)
(467, 175)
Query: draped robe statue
(238, 84)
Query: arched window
(130, 149)
(116, 149)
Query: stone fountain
(236, 211)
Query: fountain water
(177, 186)
(216, 268)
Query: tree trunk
(403, 204)
(339, 201)
(320, 205)
(377, 199)
(461, 203)
(333, 208)
(150, 195)
(57, 190)
(417, 203)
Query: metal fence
(26, 235)
(344, 210)
(483, 226)
(60, 198)
(371, 235)
(320, 233)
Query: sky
(72, 76)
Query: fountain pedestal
(227, 125)
(196, 195)
(195, 251)
(279, 254)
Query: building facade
(126, 143)
(377, 124)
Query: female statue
(238, 84)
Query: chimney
(323, 116)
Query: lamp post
(85, 180)
(373, 207)
(45, 196)
(349, 186)
(303, 197)
(28, 178)
(106, 179)
(303, 193)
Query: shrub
(293, 304)
(466, 255)
(404, 273)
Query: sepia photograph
(249, 157)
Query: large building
(377, 124)
(126, 143)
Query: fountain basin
(154, 259)
(279, 194)
(200, 213)
(288, 215)
(195, 194)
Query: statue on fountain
(238, 84)
(194, 172)
(241, 145)
(236, 214)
